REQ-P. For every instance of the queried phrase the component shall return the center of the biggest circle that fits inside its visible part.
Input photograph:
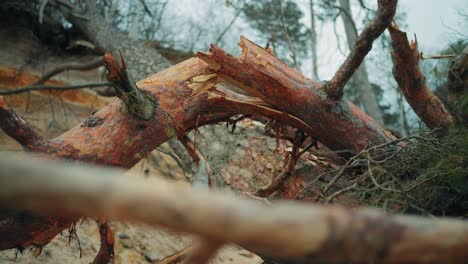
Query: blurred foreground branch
(285, 229)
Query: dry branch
(16, 127)
(284, 229)
(30, 88)
(70, 66)
(412, 82)
(106, 250)
(385, 13)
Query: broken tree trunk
(338, 124)
(305, 233)
(412, 82)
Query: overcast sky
(436, 21)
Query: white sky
(434, 21)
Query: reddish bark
(337, 124)
(106, 251)
(412, 82)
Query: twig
(374, 181)
(42, 6)
(177, 257)
(53, 87)
(385, 13)
(106, 250)
(436, 57)
(286, 35)
(287, 229)
(70, 66)
(340, 192)
(145, 6)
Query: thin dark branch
(286, 35)
(145, 6)
(70, 66)
(226, 29)
(161, 12)
(53, 87)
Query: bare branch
(70, 66)
(53, 87)
(42, 5)
(286, 35)
(385, 13)
(106, 251)
(290, 230)
(16, 127)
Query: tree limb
(106, 250)
(16, 127)
(70, 66)
(385, 13)
(285, 229)
(30, 88)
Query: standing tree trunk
(313, 41)
(360, 80)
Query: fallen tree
(192, 94)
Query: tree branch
(30, 88)
(16, 127)
(285, 229)
(70, 66)
(106, 250)
(385, 13)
